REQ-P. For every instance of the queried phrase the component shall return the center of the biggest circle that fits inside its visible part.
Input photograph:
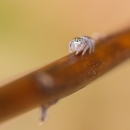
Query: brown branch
(62, 77)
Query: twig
(62, 77)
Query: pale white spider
(82, 43)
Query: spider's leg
(85, 49)
(70, 47)
(90, 47)
(90, 41)
(80, 47)
(83, 45)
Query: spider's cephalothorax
(81, 44)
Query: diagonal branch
(62, 77)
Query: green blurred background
(34, 33)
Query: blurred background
(34, 33)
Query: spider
(82, 43)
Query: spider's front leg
(80, 47)
(70, 47)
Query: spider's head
(77, 39)
(76, 42)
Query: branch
(62, 77)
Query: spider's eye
(77, 39)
